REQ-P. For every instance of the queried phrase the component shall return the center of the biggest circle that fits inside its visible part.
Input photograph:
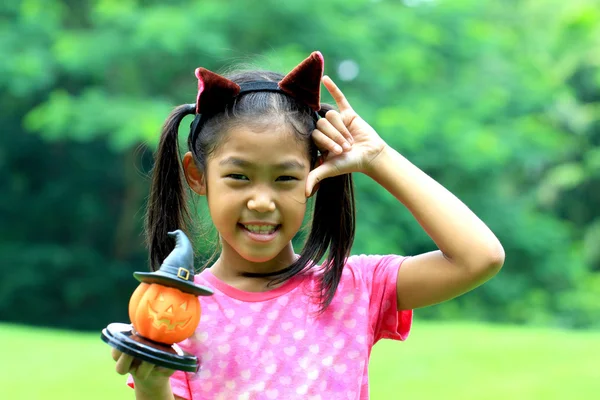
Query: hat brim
(168, 280)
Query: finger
(115, 354)
(325, 143)
(144, 370)
(124, 364)
(325, 126)
(336, 93)
(335, 119)
(163, 371)
(315, 176)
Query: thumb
(323, 171)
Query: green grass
(476, 361)
(439, 361)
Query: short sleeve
(380, 274)
(179, 384)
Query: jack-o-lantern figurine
(164, 310)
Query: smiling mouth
(260, 229)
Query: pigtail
(167, 205)
(333, 228)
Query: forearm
(160, 390)
(456, 230)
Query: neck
(244, 274)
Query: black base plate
(121, 337)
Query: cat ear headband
(215, 91)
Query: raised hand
(348, 143)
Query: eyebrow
(238, 162)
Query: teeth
(265, 229)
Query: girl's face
(255, 184)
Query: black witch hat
(177, 270)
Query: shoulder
(364, 263)
(373, 272)
(360, 268)
(373, 258)
(203, 276)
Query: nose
(261, 201)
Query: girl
(279, 326)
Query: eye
(286, 178)
(238, 177)
(184, 306)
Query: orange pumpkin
(163, 314)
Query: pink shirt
(271, 345)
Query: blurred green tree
(497, 101)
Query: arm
(469, 252)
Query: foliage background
(498, 101)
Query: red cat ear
(304, 81)
(214, 91)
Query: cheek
(224, 207)
(296, 206)
(299, 219)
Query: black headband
(256, 86)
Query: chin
(261, 255)
(256, 252)
(258, 258)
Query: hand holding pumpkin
(143, 372)
(164, 310)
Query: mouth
(264, 229)
(260, 232)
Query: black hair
(333, 222)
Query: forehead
(262, 146)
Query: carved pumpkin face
(163, 314)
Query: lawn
(439, 361)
